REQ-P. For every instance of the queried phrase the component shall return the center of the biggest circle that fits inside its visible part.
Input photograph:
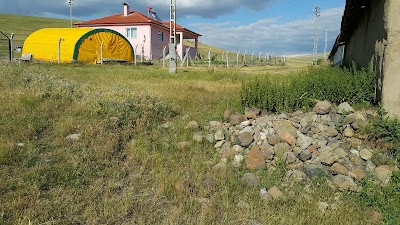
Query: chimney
(126, 9)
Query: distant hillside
(23, 26)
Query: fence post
(209, 58)
(252, 59)
(136, 54)
(59, 49)
(237, 58)
(259, 58)
(244, 58)
(223, 56)
(101, 52)
(163, 53)
(11, 47)
(227, 59)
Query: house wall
(374, 43)
(158, 45)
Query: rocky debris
(345, 183)
(323, 107)
(344, 108)
(192, 125)
(250, 179)
(275, 192)
(255, 160)
(383, 174)
(251, 113)
(324, 142)
(366, 154)
(20, 144)
(73, 137)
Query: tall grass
(300, 91)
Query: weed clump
(300, 91)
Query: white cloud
(268, 35)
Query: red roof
(119, 19)
(133, 17)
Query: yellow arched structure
(78, 45)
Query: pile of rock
(324, 142)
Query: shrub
(299, 91)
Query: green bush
(385, 131)
(300, 91)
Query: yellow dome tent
(78, 45)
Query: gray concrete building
(370, 36)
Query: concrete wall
(374, 43)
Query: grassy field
(125, 168)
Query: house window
(131, 32)
(161, 36)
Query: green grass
(301, 91)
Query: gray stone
(315, 170)
(236, 119)
(73, 137)
(210, 138)
(219, 144)
(351, 118)
(305, 155)
(238, 148)
(303, 141)
(344, 108)
(245, 139)
(298, 176)
(344, 183)
(250, 179)
(215, 124)
(348, 131)
(273, 139)
(237, 160)
(283, 127)
(281, 148)
(227, 114)
(338, 168)
(251, 113)
(289, 157)
(328, 157)
(383, 173)
(331, 131)
(366, 154)
(219, 135)
(247, 130)
(322, 107)
(267, 151)
(275, 192)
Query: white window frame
(131, 32)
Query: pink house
(146, 34)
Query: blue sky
(276, 26)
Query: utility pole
(172, 35)
(326, 44)
(317, 12)
(70, 3)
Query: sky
(266, 26)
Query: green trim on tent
(80, 41)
